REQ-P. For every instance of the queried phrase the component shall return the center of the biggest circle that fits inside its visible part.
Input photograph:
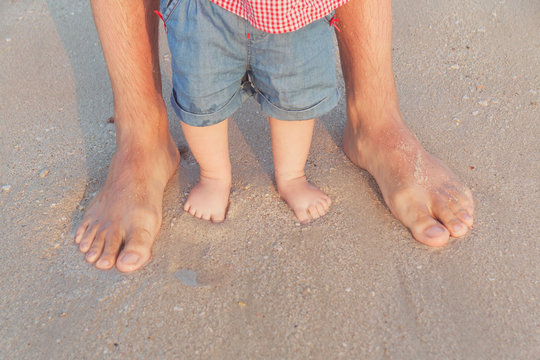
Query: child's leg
(290, 145)
(208, 200)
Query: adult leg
(419, 190)
(127, 211)
(291, 141)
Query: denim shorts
(219, 60)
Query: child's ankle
(287, 177)
(218, 180)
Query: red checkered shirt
(280, 16)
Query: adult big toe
(423, 226)
(136, 252)
(434, 235)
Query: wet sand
(352, 285)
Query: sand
(353, 285)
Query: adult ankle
(148, 131)
(368, 120)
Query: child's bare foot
(208, 200)
(124, 218)
(290, 146)
(307, 201)
(418, 188)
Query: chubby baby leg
(291, 141)
(208, 200)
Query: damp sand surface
(352, 285)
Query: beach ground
(352, 285)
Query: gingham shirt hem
(280, 16)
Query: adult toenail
(90, 254)
(434, 231)
(130, 258)
(104, 263)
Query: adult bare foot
(419, 189)
(127, 211)
(208, 200)
(307, 201)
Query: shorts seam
(170, 9)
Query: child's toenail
(434, 231)
(130, 258)
(90, 254)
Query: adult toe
(423, 226)
(454, 225)
(434, 235)
(463, 207)
(136, 252)
(88, 238)
(80, 231)
(113, 241)
(465, 216)
(97, 247)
